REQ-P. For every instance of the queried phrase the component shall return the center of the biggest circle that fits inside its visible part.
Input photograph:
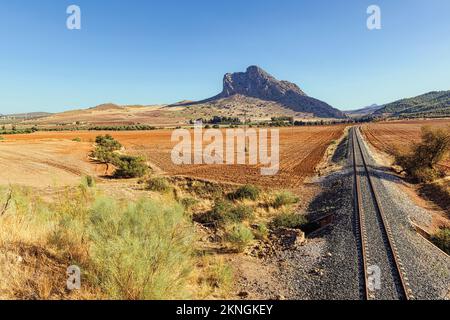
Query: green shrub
(289, 220)
(261, 232)
(159, 184)
(141, 251)
(130, 167)
(284, 198)
(77, 139)
(239, 236)
(225, 212)
(216, 216)
(442, 239)
(1, 138)
(239, 213)
(206, 188)
(246, 192)
(188, 202)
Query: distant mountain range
(30, 115)
(253, 94)
(363, 111)
(256, 83)
(432, 104)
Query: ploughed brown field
(400, 135)
(52, 158)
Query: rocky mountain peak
(257, 83)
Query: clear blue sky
(146, 52)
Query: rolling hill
(431, 104)
(363, 111)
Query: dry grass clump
(214, 276)
(239, 236)
(442, 239)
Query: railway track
(382, 273)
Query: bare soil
(46, 158)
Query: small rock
(243, 294)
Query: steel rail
(403, 284)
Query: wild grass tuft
(159, 184)
(284, 198)
(289, 220)
(239, 236)
(442, 239)
(250, 192)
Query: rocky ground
(325, 266)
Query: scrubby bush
(289, 220)
(420, 163)
(239, 213)
(203, 188)
(224, 212)
(284, 198)
(77, 139)
(216, 216)
(126, 249)
(261, 231)
(1, 138)
(239, 236)
(442, 239)
(158, 184)
(130, 167)
(188, 202)
(142, 251)
(246, 192)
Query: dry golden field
(400, 135)
(52, 158)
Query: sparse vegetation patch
(158, 184)
(246, 192)
(290, 220)
(239, 236)
(442, 239)
(284, 198)
(421, 162)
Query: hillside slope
(432, 104)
